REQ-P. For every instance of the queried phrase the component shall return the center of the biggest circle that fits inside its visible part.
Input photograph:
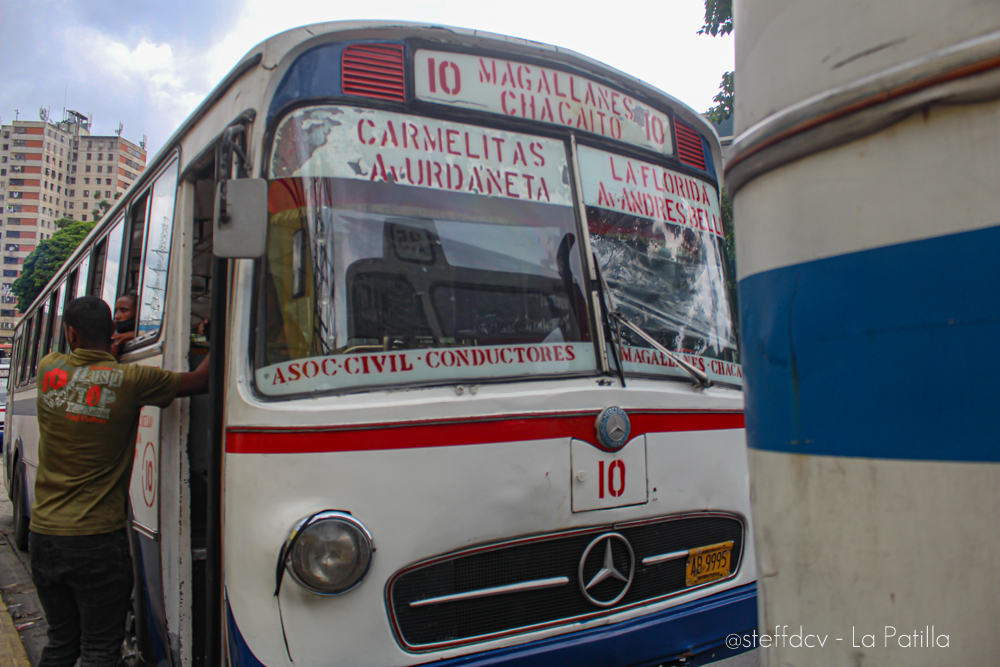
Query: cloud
(144, 77)
(135, 63)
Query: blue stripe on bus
(315, 73)
(885, 353)
(697, 630)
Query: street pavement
(16, 588)
(18, 595)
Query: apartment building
(49, 171)
(103, 168)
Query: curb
(12, 652)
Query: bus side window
(15, 345)
(37, 338)
(68, 294)
(23, 335)
(17, 365)
(15, 361)
(55, 323)
(133, 244)
(156, 253)
(80, 284)
(97, 278)
(109, 290)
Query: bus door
(205, 315)
(136, 262)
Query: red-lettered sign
(423, 365)
(146, 470)
(386, 147)
(648, 360)
(648, 191)
(539, 93)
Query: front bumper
(694, 633)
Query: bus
(864, 181)
(475, 384)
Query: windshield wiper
(612, 333)
(700, 378)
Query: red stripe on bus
(451, 434)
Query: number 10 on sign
(616, 472)
(603, 480)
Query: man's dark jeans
(84, 583)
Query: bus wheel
(20, 508)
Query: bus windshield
(453, 256)
(658, 238)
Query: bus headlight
(329, 553)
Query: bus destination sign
(382, 146)
(539, 93)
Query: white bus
(476, 391)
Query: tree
(47, 258)
(719, 21)
(725, 99)
(102, 207)
(718, 18)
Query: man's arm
(195, 382)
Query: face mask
(124, 326)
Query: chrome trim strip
(663, 558)
(536, 585)
(145, 531)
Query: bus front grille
(532, 583)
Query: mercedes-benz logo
(606, 569)
(613, 427)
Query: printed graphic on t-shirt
(86, 391)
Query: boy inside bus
(125, 310)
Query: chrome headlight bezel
(303, 525)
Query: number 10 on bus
(604, 480)
(616, 471)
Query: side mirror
(240, 221)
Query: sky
(147, 65)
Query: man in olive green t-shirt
(88, 413)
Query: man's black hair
(91, 317)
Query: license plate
(709, 563)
